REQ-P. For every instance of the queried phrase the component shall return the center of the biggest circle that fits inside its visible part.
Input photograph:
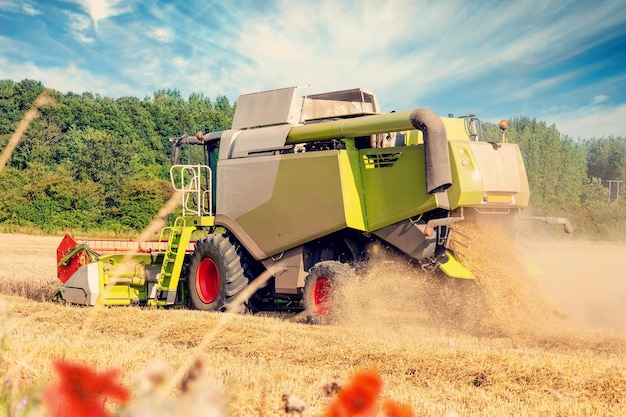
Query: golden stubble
(427, 361)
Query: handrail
(194, 183)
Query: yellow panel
(502, 199)
(351, 186)
(456, 129)
(453, 268)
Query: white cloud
(64, 79)
(600, 99)
(417, 51)
(528, 92)
(591, 109)
(30, 10)
(402, 56)
(162, 35)
(327, 44)
(591, 122)
(79, 26)
(15, 6)
(11, 46)
(407, 52)
(9, 5)
(103, 9)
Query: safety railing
(194, 184)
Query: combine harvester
(298, 192)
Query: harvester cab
(299, 190)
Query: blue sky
(560, 61)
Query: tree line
(91, 163)
(95, 163)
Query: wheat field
(552, 346)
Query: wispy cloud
(8, 5)
(29, 9)
(162, 35)
(12, 46)
(591, 122)
(522, 92)
(600, 99)
(79, 26)
(103, 9)
(497, 59)
(589, 114)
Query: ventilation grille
(380, 160)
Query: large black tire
(320, 290)
(216, 275)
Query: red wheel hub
(322, 291)
(208, 280)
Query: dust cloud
(394, 297)
(587, 281)
(525, 288)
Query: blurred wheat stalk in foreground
(43, 100)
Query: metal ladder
(173, 259)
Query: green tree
(168, 111)
(143, 198)
(105, 160)
(95, 162)
(48, 198)
(12, 200)
(9, 111)
(144, 139)
(607, 158)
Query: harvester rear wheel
(320, 288)
(216, 275)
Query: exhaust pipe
(437, 158)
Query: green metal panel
(202, 221)
(306, 202)
(123, 278)
(318, 193)
(487, 175)
(394, 185)
(467, 187)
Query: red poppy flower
(81, 391)
(393, 409)
(358, 397)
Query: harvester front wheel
(216, 275)
(320, 289)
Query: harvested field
(555, 345)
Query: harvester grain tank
(299, 191)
